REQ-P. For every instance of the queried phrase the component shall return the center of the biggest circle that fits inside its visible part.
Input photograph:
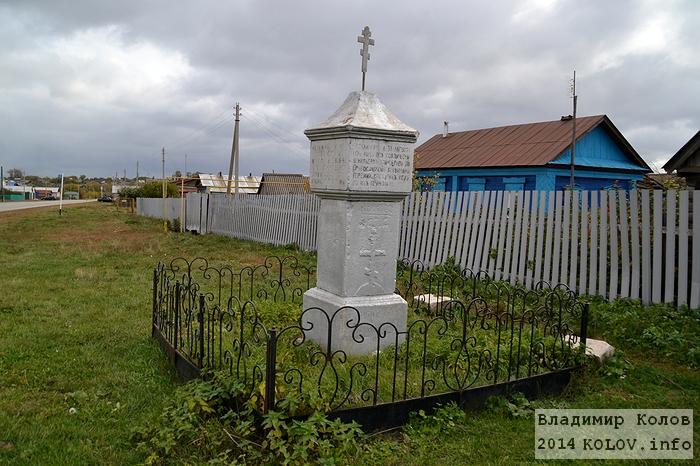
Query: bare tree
(14, 173)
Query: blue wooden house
(533, 156)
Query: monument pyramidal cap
(362, 112)
(361, 169)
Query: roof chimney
(446, 129)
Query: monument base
(358, 325)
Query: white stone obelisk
(361, 168)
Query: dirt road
(19, 205)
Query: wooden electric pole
(233, 165)
(573, 133)
(60, 198)
(165, 195)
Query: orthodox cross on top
(365, 40)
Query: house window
(476, 184)
(514, 184)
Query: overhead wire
(212, 121)
(275, 136)
(279, 128)
(208, 129)
(278, 134)
(270, 128)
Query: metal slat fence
(639, 244)
(153, 207)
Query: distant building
(208, 183)
(686, 162)
(42, 192)
(71, 195)
(16, 191)
(118, 187)
(533, 156)
(281, 183)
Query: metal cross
(365, 40)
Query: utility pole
(137, 172)
(233, 166)
(165, 192)
(2, 184)
(185, 174)
(60, 198)
(238, 149)
(125, 175)
(573, 132)
(182, 203)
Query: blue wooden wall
(596, 150)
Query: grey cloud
(468, 62)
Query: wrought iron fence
(481, 334)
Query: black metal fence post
(270, 371)
(155, 299)
(584, 324)
(201, 331)
(176, 332)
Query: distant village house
(686, 162)
(269, 183)
(533, 156)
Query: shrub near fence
(601, 243)
(249, 323)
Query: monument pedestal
(361, 168)
(358, 325)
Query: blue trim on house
(598, 149)
(529, 179)
(600, 164)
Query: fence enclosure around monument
(639, 244)
(491, 339)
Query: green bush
(211, 421)
(660, 330)
(129, 193)
(155, 189)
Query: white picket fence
(641, 244)
(270, 219)
(606, 243)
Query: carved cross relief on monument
(374, 226)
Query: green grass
(75, 302)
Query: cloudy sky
(90, 87)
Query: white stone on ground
(598, 349)
(433, 301)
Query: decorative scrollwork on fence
(488, 333)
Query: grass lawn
(75, 304)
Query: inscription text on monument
(361, 165)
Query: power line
(262, 118)
(208, 128)
(275, 136)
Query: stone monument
(361, 169)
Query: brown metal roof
(531, 144)
(283, 183)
